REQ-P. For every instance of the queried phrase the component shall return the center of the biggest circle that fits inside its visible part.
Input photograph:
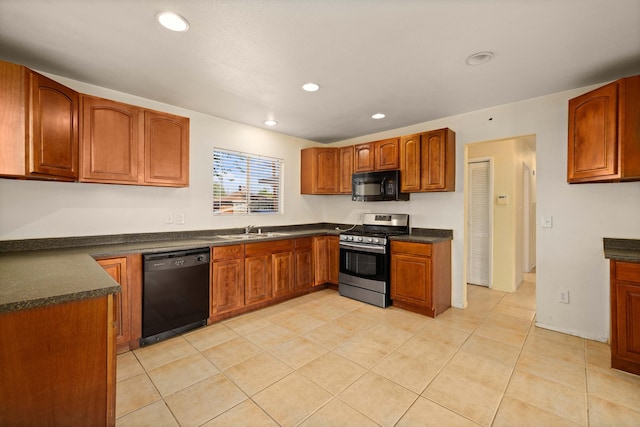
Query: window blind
(246, 183)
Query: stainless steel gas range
(365, 258)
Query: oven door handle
(365, 248)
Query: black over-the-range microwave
(377, 186)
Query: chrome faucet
(248, 228)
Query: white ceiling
(245, 60)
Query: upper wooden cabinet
(364, 159)
(410, 163)
(125, 144)
(319, 170)
(378, 155)
(111, 139)
(346, 169)
(387, 154)
(604, 133)
(166, 149)
(427, 161)
(38, 126)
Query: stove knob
(376, 240)
(369, 240)
(360, 239)
(349, 237)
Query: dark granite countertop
(425, 235)
(622, 249)
(40, 272)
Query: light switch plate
(547, 222)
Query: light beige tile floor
(325, 360)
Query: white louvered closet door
(479, 269)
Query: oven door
(368, 262)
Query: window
(246, 183)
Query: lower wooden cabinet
(250, 276)
(58, 364)
(269, 270)
(334, 259)
(421, 276)
(625, 316)
(283, 270)
(117, 269)
(326, 254)
(304, 263)
(227, 279)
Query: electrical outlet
(169, 218)
(563, 296)
(180, 218)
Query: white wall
(569, 255)
(35, 209)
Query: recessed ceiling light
(378, 116)
(310, 87)
(172, 21)
(270, 122)
(479, 58)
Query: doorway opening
(500, 201)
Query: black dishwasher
(175, 294)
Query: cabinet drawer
(420, 249)
(228, 252)
(628, 271)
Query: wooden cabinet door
(304, 265)
(346, 155)
(437, 157)
(319, 171)
(411, 276)
(111, 141)
(410, 163)
(54, 129)
(321, 259)
(13, 89)
(166, 149)
(227, 285)
(257, 279)
(333, 258)
(326, 171)
(593, 135)
(387, 154)
(364, 157)
(627, 321)
(433, 160)
(117, 269)
(58, 364)
(625, 316)
(283, 269)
